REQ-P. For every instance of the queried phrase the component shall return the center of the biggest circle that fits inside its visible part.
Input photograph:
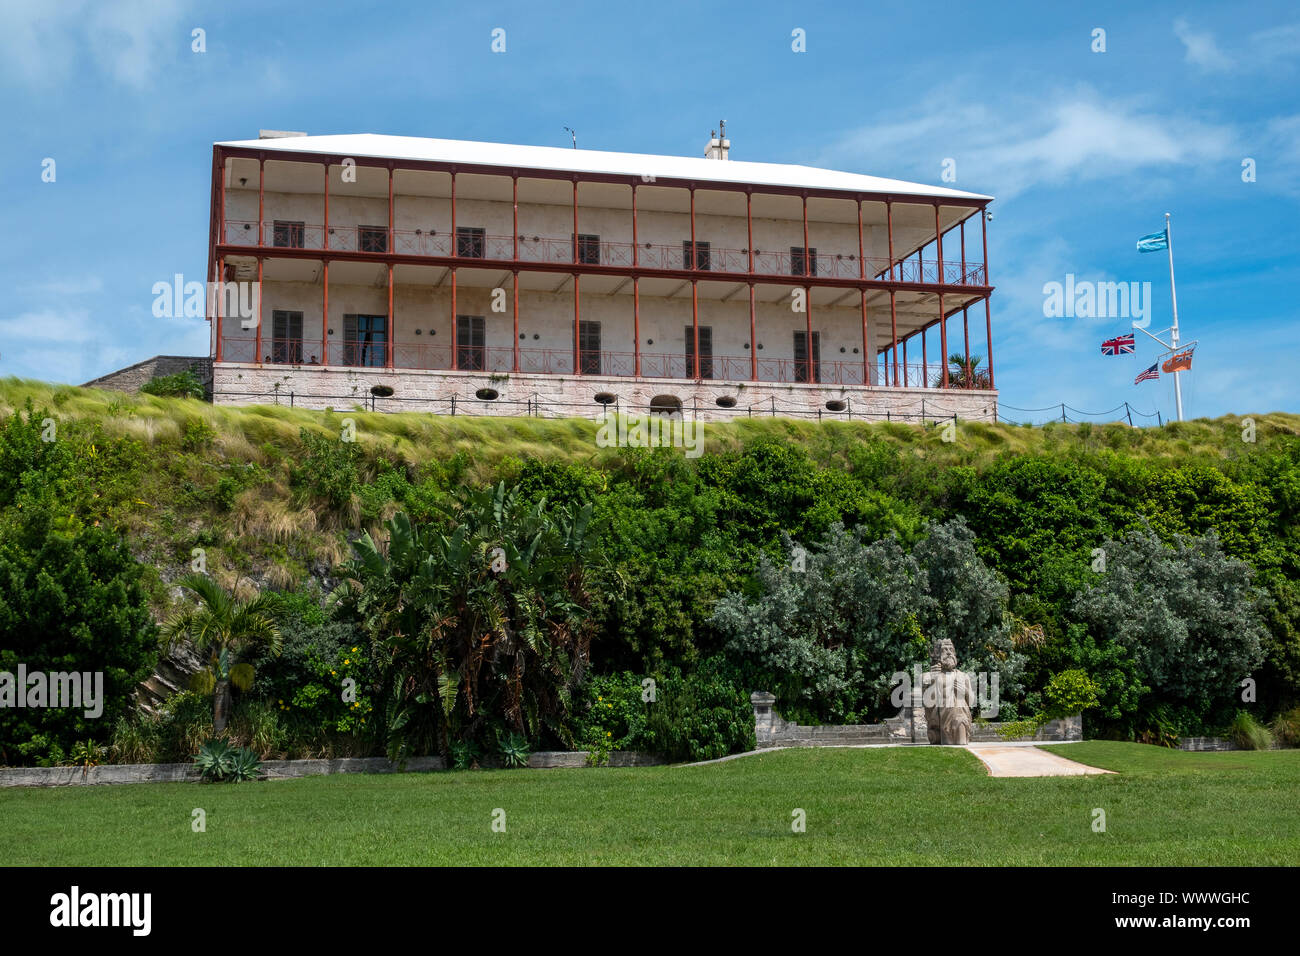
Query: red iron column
(893, 328)
(965, 328)
(866, 376)
(988, 317)
(388, 248)
(636, 294)
(943, 340)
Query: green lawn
(881, 806)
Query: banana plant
(470, 643)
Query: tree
(1186, 613)
(481, 620)
(72, 599)
(226, 629)
(967, 605)
(828, 629)
(962, 376)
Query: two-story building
(449, 276)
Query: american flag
(1120, 345)
(1152, 372)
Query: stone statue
(948, 696)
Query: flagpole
(1173, 295)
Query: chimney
(719, 145)
(277, 134)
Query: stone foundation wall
(909, 727)
(286, 769)
(559, 396)
(1212, 744)
(130, 379)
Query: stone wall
(285, 769)
(1212, 744)
(557, 396)
(907, 728)
(130, 379)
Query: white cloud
(1052, 138)
(129, 41)
(72, 327)
(1202, 50)
(70, 286)
(1276, 43)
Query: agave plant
(215, 760)
(244, 766)
(224, 628)
(514, 750)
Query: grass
(901, 806)
(231, 492)
(418, 438)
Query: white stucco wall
(560, 396)
(664, 322)
(555, 221)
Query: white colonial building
(481, 278)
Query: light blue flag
(1154, 242)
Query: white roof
(374, 145)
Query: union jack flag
(1152, 372)
(1120, 345)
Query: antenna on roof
(719, 146)
(574, 135)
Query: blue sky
(1085, 150)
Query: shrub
(829, 628)
(256, 725)
(1186, 613)
(135, 739)
(465, 755)
(514, 750)
(702, 715)
(1156, 724)
(24, 452)
(185, 722)
(612, 716)
(181, 385)
(328, 470)
(1248, 733)
(1068, 693)
(1014, 729)
(87, 754)
(198, 434)
(1286, 727)
(303, 685)
(72, 600)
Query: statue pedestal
(910, 724)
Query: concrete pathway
(1009, 745)
(1012, 761)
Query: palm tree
(225, 629)
(957, 373)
